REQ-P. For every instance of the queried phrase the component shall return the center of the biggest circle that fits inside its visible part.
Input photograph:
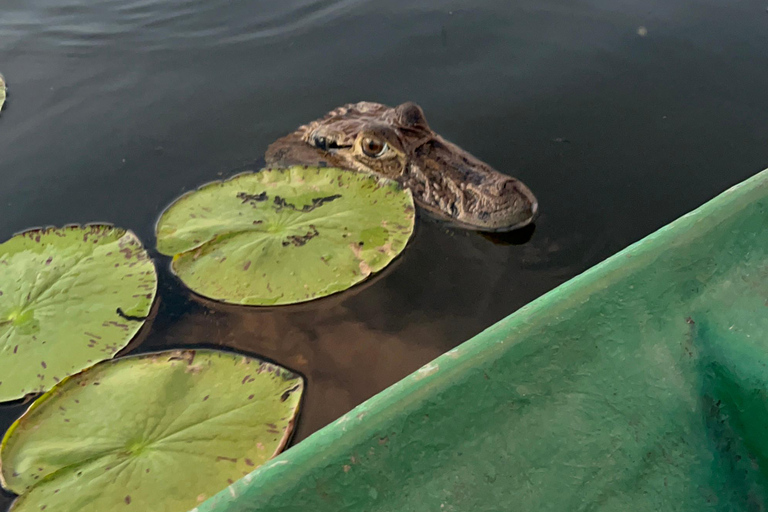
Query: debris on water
(642, 31)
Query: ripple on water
(152, 25)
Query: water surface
(119, 106)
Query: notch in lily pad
(69, 297)
(160, 432)
(283, 236)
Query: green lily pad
(3, 90)
(159, 432)
(69, 297)
(282, 236)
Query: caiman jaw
(448, 181)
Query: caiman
(398, 143)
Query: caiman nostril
(534, 208)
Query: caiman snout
(497, 203)
(476, 195)
(519, 203)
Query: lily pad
(159, 432)
(282, 236)
(3, 90)
(69, 297)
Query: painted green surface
(60, 291)
(158, 432)
(282, 236)
(640, 385)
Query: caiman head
(398, 143)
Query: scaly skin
(398, 143)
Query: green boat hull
(640, 385)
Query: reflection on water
(344, 359)
(116, 107)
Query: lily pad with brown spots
(282, 236)
(157, 432)
(69, 298)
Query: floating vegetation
(282, 236)
(69, 297)
(159, 432)
(3, 91)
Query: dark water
(116, 107)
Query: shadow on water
(619, 116)
(517, 237)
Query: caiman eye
(373, 147)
